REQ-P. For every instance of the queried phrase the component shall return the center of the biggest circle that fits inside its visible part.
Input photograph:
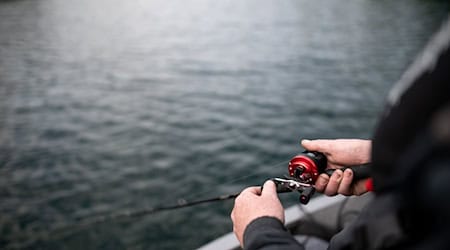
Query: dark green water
(107, 106)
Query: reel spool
(307, 166)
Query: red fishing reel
(307, 166)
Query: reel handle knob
(306, 195)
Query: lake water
(108, 106)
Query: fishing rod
(304, 169)
(181, 203)
(85, 223)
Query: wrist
(260, 225)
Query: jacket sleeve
(268, 233)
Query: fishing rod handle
(360, 172)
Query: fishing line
(87, 222)
(62, 231)
(181, 203)
(127, 214)
(70, 229)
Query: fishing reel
(305, 168)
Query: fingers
(252, 204)
(310, 145)
(322, 182)
(317, 145)
(345, 187)
(360, 187)
(269, 188)
(341, 152)
(252, 190)
(333, 184)
(338, 183)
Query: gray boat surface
(320, 219)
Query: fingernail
(338, 174)
(322, 179)
(304, 141)
(269, 182)
(348, 173)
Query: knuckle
(344, 191)
(347, 180)
(322, 180)
(334, 181)
(330, 192)
(245, 191)
(320, 188)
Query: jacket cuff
(262, 226)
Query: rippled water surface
(108, 106)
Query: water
(107, 106)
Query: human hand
(341, 153)
(253, 203)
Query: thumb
(269, 188)
(309, 145)
(315, 145)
